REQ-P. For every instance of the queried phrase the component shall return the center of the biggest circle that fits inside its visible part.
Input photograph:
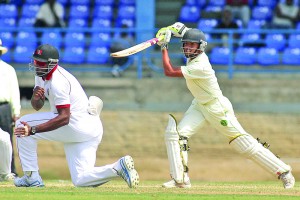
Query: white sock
(117, 165)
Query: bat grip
(153, 41)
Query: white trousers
(5, 153)
(218, 113)
(80, 150)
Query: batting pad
(251, 148)
(173, 150)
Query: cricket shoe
(7, 177)
(127, 171)
(287, 179)
(172, 183)
(27, 181)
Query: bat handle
(153, 41)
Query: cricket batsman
(209, 105)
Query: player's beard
(190, 53)
(41, 71)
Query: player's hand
(160, 35)
(164, 37)
(38, 94)
(22, 130)
(178, 29)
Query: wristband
(33, 130)
(164, 46)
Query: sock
(117, 166)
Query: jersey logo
(224, 122)
(39, 52)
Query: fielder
(5, 157)
(73, 120)
(209, 105)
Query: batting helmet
(46, 53)
(195, 36)
(45, 58)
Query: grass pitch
(117, 189)
(222, 174)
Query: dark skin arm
(38, 98)
(37, 102)
(169, 69)
(60, 120)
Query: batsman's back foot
(127, 171)
(287, 179)
(172, 184)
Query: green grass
(152, 190)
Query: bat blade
(135, 49)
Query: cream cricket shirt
(201, 79)
(62, 89)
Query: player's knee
(184, 143)
(171, 136)
(245, 144)
(77, 182)
(21, 119)
(171, 133)
(78, 179)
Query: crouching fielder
(5, 157)
(73, 120)
(209, 105)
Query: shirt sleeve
(193, 71)
(61, 94)
(197, 69)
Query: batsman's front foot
(172, 184)
(127, 171)
(287, 179)
(27, 181)
(7, 177)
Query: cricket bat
(135, 49)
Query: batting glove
(178, 29)
(164, 37)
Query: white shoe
(172, 183)
(287, 179)
(127, 171)
(27, 181)
(7, 177)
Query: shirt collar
(49, 75)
